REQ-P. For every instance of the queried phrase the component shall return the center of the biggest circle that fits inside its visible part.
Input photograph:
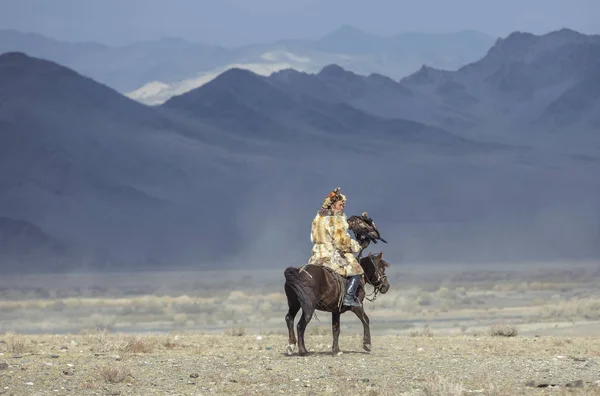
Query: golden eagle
(364, 230)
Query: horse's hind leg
(360, 313)
(302, 323)
(294, 307)
(335, 327)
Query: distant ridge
(154, 71)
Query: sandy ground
(226, 364)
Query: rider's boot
(349, 298)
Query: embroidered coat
(332, 245)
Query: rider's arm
(341, 238)
(355, 246)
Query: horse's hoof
(367, 347)
(302, 353)
(290, 349)
(337, 353)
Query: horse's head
(374, 267)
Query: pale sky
(238, 22)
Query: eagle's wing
(358, 226)
(354, 222)
(373, 231)
(371, 224)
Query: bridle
(381, 278)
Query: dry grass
(574, 308)
(236, 332)
(503, 330)
(441, 386)
(138, 345)
(16, 343)
(169, 344)
(114, 374)
(89, 385)
(105, 343)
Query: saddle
(342, 281)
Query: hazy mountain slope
(578, 105)
(257, 105)
(375, 94)
(123, 185)
(22, 243)
(519, 83)
(105, 173)
(528, 90)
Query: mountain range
(497, 160)
(152, 72)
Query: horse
(314, 287)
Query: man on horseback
(332, 245)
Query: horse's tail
(301, 286)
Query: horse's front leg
(335, 327)
(360, 313)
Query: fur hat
(333, 197)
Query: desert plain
(443, 329)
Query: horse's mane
(371, 256)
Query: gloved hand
(364, 243)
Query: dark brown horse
(313, 287)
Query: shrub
(503, 331)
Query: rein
(377, 283)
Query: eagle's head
(365, 215)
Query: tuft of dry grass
(236, 332)
(16, 343)
(168, 344)
(114, 374)
(138, 345)
(560, 342)
(503, 331)
(441, 386)
(89, 385)
(104, 343)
